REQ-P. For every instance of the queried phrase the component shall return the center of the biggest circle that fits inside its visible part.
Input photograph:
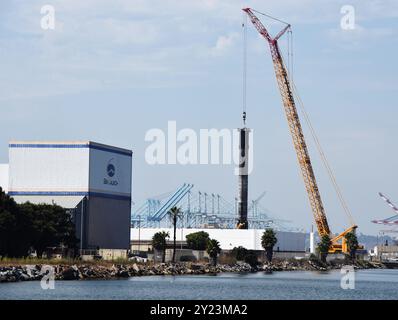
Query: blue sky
(111, 70)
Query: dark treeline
(27, 227)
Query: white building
(4, 177)
(92, 179)
(230, 238)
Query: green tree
(30, 226)
(352, 244)
(175, 213)
(324, 246)
(251, 259)
(159, 242)
(8, 224)
(197, 240)
(240, 253)
(51, 226)
(213, 249)
(268, 241)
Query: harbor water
(369, 284)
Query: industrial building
(288, 242)
(90, 179)
(4, 177)
(385, 253)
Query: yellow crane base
(339, 243)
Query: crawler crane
(338, 243)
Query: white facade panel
(4, 177)
(65, 172)
(110, 172)
(63, 201)
(48, 169)
(230, 238)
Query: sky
(111, 71)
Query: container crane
(338, 243)
(254, 205)
(391, 220)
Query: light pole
(182, 230)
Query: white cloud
(121, 42)
(224, 43)
(361, 35)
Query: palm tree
(352, 244)
(159, 242)
(213, 249)
(324, 246)
(175, 213)
(268, 241)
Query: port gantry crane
(338, 243)
(391, 220)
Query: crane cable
(307, 119)
(323, 156)
(244, 82)
(289, 72)
(269, 16)
(290, 32)
(312, 130)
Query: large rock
(123, 274)
(23, 277)
(136, 268)
(71, 273)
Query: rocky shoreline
(15, 273)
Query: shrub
(313, 257)
(187, 259)
(251, 259)
(240, 253)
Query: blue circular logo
(110, 169)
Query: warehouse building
(93, 180)
(292, 243)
